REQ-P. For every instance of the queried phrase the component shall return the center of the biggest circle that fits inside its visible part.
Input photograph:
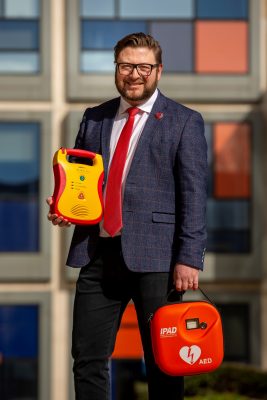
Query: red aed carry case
(187, 337)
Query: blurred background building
(56, 59)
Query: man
(153, 236)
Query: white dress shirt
(119, 122)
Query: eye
(126, 67)
(144, 68)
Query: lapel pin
(159, 115)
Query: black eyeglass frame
(133, 66)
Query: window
(200, 40)
(229, 203)
(18, 351)
(236, 326)
(24, 49)
(19, 186)
(235, 205)
(211, 39)
(25, 157)
(24, 346)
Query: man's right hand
(54, 218)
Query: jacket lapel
(106, 131)
(149, 129)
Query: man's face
(134, 88)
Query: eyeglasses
(142, 69)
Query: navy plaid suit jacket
(164, 207)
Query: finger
(178, 284)
(64, 222)
(56, 221)
(49, 200)
(52, 217)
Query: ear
(159, 71)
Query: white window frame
(232, 266)
(33, 266)
(42, 300)
(35, 86)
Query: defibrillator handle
(79, 153)
(174, 296)
(178, 296)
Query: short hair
(139, 39)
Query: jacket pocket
(165, 218)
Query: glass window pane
(96, 8)
(105, 34)
(19, 63)
(222, 9)
(97, 61)
(162, 9)
(232, 160)
(25, 8)
(18, 352)
(19, 186)
(182, 59)
(223, 215)
(229, 241)
(221, 47)
(236, 318)
(19, 35)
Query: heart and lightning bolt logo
(190, 354)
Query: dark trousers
(103, 290)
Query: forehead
(137, 55)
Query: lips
(134, 85)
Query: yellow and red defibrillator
(78, 186)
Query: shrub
(240, 379)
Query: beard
(146, 93)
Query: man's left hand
(185, 277)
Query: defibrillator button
(203, 325)
(82, 178)
(81, 196)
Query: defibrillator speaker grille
(80, 211)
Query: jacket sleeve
(191, 192)
(79, 141)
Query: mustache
(137, 80)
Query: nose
(134, 72)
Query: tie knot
(132, 111)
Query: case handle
(180, 300)
(180, 295)
(79, 153)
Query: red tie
(113, 203)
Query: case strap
(174, 293)
(205, 295)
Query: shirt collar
(145, 107)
